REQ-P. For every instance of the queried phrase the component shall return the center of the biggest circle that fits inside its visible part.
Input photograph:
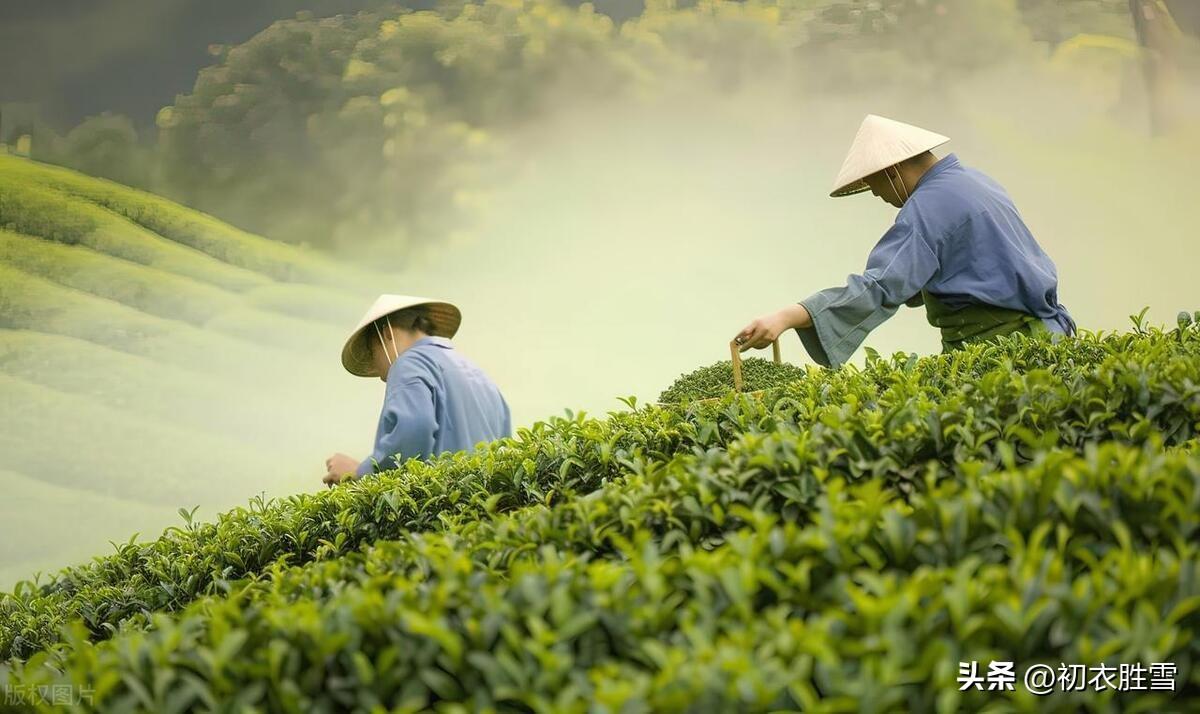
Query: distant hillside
(151, 358)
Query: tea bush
(902, 424)
(30, 302)
(24, 509)
(33, 442)
(134, 384)
(29, 208)
(310, 302)
(153, 291)
(717, 380)
(85, 204)
(867, 604)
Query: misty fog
(635, 241)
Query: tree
(1055, 21)
(374, 130)
(105, 146)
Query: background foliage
(374, 132)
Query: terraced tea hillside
(188, 348)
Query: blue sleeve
(507, 426)
(406, 426)
(899, 266)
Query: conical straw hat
(881, 142)
(356, 353)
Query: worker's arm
(407, 426)
(898, 267)
(766, 329)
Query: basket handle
(735, 355)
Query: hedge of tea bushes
(310, 302)
(48, 214)
(156, 292)
(867, 605)
(30, 302)
(28, 450)
(134, 385)
(541, 464)
(888, 423)
(67, 206)
(154, 296)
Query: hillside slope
(154, 358)
(28, 503)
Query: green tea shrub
(613, 598)
(311, 302)
(132, 331)
(133, 385)
(893, 424)
(31, 302)
(150, 290)
(716, 380)
(23, 512)
(66, 206)
(172, 448)
(31, 208)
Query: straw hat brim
(356, 353)
(880, 143)
(853, 188)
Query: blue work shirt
(959, 236)
(436, 401)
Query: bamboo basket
(735, 357)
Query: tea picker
(435, 400)
(958, 246)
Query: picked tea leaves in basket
(753, 376)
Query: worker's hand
(766, 329)
(339, 468)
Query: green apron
(977, 323)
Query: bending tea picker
(958, 246)
(435, 400)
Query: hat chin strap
(899, 178)
(391, 358)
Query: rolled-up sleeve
(897, 269)
(407, 426)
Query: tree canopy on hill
(379, 129)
